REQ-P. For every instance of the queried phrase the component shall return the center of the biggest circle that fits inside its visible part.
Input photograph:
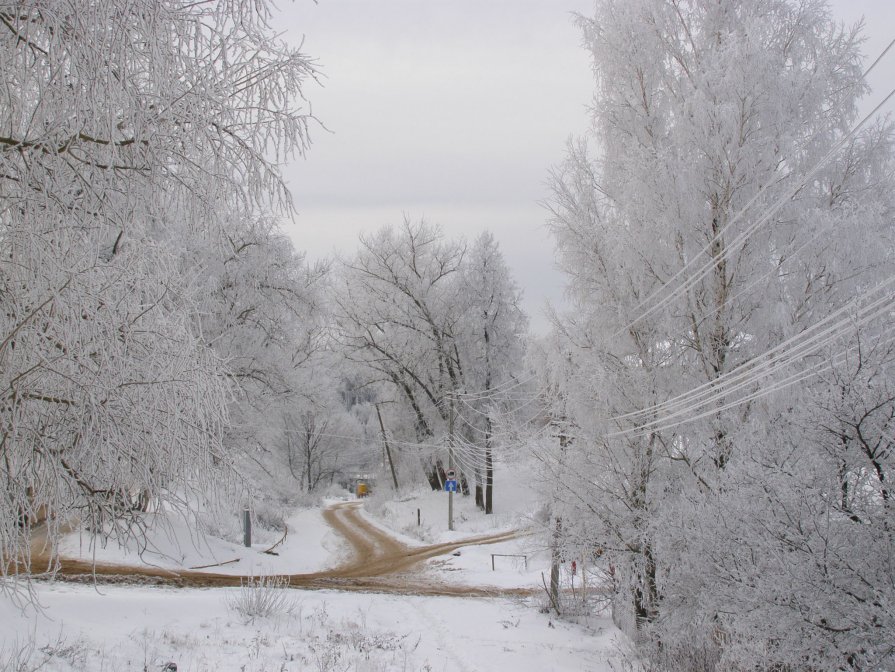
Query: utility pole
(388, 450)
(451, 462)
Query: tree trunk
(489, 471)
(554, 564)
(435, 474)
(646, 595)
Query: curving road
(378, 563)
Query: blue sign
(450, 486)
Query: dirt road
(378, 563)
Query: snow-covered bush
(261, 597)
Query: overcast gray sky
(454, 110)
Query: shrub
(261, 597)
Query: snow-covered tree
(121, 125)
(264, 313)
(397, 315)
(437, 325)
(702, 226)
(494, 331)
(321, 440)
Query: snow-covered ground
(142, 628)
(515, 507)
(517, 562)
(310, 545)
(123, 629)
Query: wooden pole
(489, 469)
(388, 450)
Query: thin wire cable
(361, 439)
(662, 424)
(497, 389)
(509, 411)
(878, 59)
(762, 392)
(770, 368)
(498, 438)
(725, 394)
(778, 365)
(830, 325)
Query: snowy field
(109, 628)
(113, 629)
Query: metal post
(247, 527)
(451, 462)
(417, 517)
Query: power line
(794, 378)
(770, 369)
(805, 342)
